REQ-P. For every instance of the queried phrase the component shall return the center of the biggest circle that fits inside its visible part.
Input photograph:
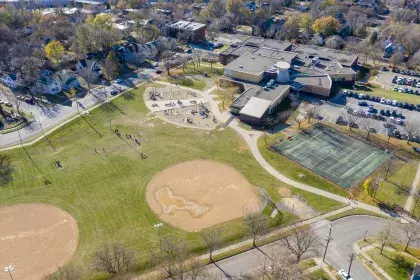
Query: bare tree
(65, 273)
(6, 170)
(275, 265)
(353, 120)
(256, 223)
(368, 126)
(312, 111)
(411, 129)
(114, 258)
(396, 58)
(298, 119)
(390, 167)
(175, 262)
(211, 58)
(213, 238)
(300, 241)
(13, 98)
(89, 76)
(168, 63)
(412, 233)
(387, 235)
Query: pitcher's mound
(198, 194)
(36, 239)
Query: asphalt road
(345, 233)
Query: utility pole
(352, 257)
(328, 242)
(364, 238)
(42, 131)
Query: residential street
(54, 114)
(345, 233)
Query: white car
(388, 101)
(383, 100)
(343, 275)
(418, 85)
(394, 102)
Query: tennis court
(332, 154)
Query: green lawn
(294, 171)
(393, 95)
(355, 211)
(398, 265)
(105, 190)
(319, 274)
(306, 264)
(396, 188)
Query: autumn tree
(113, 258)
(112, 66)
(290, 29)
(216, 9)
(256, 223)
(326, 25)
(300, 241)
(54, 50)
(412, 233)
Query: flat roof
(250, 63)
(257, 90)
(241, 50)
(318, 81)
(253, 40)
(276, 44)
(275, 54)
(255, 107)
(182, 24)
(343, 57)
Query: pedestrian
(96, 151)
(104, 150)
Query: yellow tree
(103, 20)
(54, 50)
(326, 25)
(305, 22)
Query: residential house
(88, 65)
(194, 32)
(67, 80)
(47, 83)
(136, 53)
(392, 48)
(8, 79)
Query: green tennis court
(332, 154)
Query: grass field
(398, 265)
(319, 274)
(103, 180)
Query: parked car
(417, 150)
(343, 275)
(362, 103)
(188, 50)
(341, 121)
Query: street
(345, 233)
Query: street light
(9, 269)
(158, 226)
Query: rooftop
(182, 24)
(275, 54)
(250, 63)
(255, 107)
(343, 57)
(256, 90)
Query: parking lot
(339, 105)
(385, 78)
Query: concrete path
(362, 252)
(413, 191)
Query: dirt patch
(198, 194)
(297, 206)
(285, 192)
(36, 239)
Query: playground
(181, 107)
(197, 194)
(36, 239)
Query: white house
(47, 84)
(87, 65)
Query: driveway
(345, 233)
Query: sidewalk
(362, 252)
(413, 191)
